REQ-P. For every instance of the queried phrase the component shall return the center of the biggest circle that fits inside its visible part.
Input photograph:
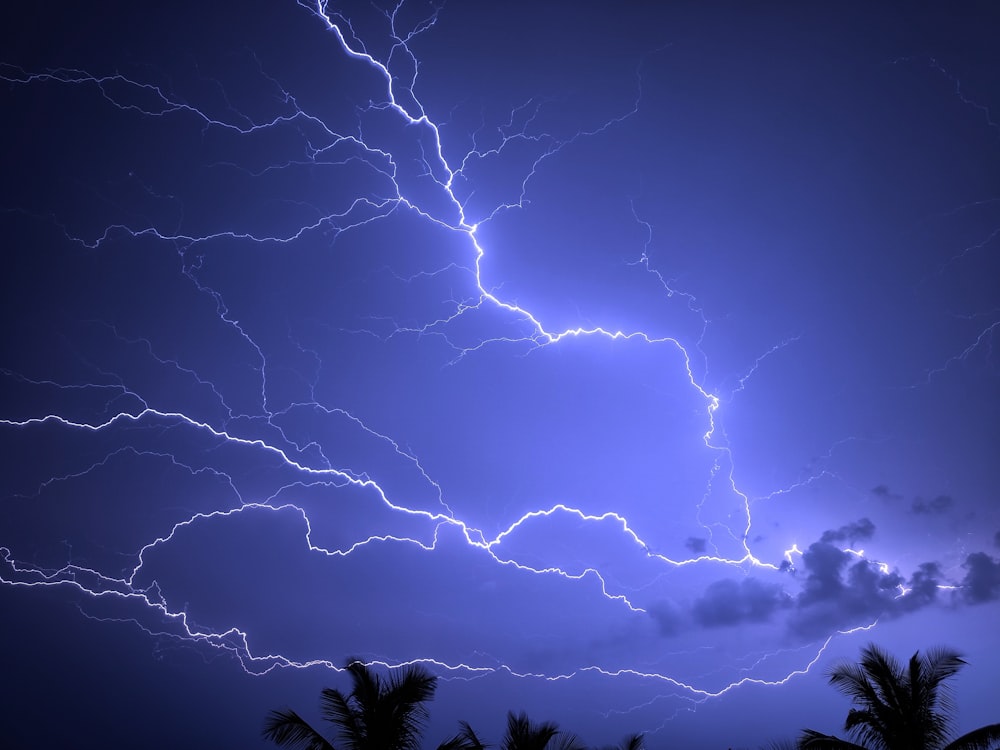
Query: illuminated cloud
(922, 588)
(841, 591)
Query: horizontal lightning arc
(357, 213)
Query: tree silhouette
(466, 739)
(523, 734)
(389, 714)
(378, 714)
(898, 708)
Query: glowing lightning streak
(108, 85)
(358, 213)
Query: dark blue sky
(627, 366)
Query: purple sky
(627, 366)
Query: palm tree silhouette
(524, 734)
(900, 709)
(378, 714)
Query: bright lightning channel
(126, 94)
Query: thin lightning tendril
(399, 74)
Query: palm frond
(336, 708)
(632, 742)
(813, 740)
(886, 675)
(523, 734)
(402, 709)
(378, 713)
(466, 739)
(366, 685)
(928, 726)
(565, 741)
(984, 738)
(853, 681)
(874, 719)
(937, 666)
(287, 729)
(941, 663)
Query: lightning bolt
(403, 179)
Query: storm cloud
(841, 591)
(731, 602)
(937, 505)
(861, 529)
(696, 544)
(982, 578)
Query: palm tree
(378, 714)
(900, 709)
(523, 734)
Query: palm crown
(524, 734)
(378, 714)
(897, 708)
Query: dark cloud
(729, 602)
(696, 544)
(883, 492)
(863, 528)
(823, 564)
(922, 588)
(940, 504)
(841, 591)
(982, 578)
(667, 617)
(996, 539)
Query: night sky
(629, 366)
